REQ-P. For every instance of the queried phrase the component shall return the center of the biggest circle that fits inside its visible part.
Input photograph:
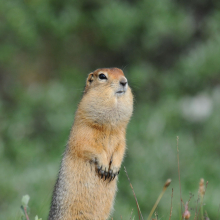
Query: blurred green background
(170, 53)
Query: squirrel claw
(101, 171)
(106, 175)
(110, 179)
(99, 168)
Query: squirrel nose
(123, 81)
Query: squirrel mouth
(120, 92)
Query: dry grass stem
(178, 160)
(171, 207)
(201, 188)
(138, 208)
(26, 215)
(201, 195)
(167, 183)
(191, 195)
(156, 216)
(197, 202)
(131, 213)
(206, 216)
(207, 182)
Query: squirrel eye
(102, 76)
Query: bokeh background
(170, 53)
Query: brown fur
(86, 184)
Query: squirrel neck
(83, 122)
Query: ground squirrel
(86, 184)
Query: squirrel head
(104, 78)
(107, 98)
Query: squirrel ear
(89, 80)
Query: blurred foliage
(25, 209)
(169, 51)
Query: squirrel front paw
(102, 166)
(107, 169)
(107, 172)
(113, 172)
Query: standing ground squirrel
(86, 184)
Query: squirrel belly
(87, 180)
(81, 195)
